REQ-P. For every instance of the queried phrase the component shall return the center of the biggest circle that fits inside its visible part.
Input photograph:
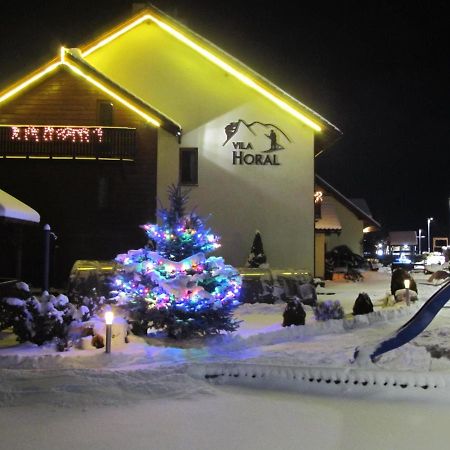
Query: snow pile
(316, 357)
(85, 387)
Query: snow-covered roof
(360, 213)
(362, 205)
(329, 221)
(12, 208)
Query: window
(318, 199)
(105, 113)
(189, 166)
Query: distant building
(402, 246)
(339, 221)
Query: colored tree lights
(177, 288)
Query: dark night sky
(378, 70)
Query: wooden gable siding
(95, 207)
(61, 99)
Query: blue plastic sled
(415, 325)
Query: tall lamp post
(428, 223)
(420, 236)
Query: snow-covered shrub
(402, 295)
(19, 291)
(91, 305)
(42, 319)
(328, 309)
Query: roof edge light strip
(80, 73)
(29, 81)
(214, 59)
(115, 35)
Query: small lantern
(109, 317)
(407, 284)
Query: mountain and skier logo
(240, 130)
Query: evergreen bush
(328, 310)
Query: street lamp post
(420, 236)
(428, 224)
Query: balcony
(66, 142)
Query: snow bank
(318, 379)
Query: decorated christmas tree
(176, 288)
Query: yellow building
(244, 146)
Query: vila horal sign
(255, 143)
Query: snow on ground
(153, 393)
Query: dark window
(105, 113)
(188, 166)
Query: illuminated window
(189, 166)
(105, 111)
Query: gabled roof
(362, 215)
(326, 131)
(70, 59)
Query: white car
(435, 258)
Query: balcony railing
(64, 142)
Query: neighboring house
(95, 136)
(339, 221)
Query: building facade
(100, 132)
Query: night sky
(378, 70)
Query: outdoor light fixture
(428, 223)
(109, 317)
(407, 284)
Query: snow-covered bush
(328, 309)
(20, 291)
(40, 319)
(92, 305)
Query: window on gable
(105, 112)
(189, 166)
